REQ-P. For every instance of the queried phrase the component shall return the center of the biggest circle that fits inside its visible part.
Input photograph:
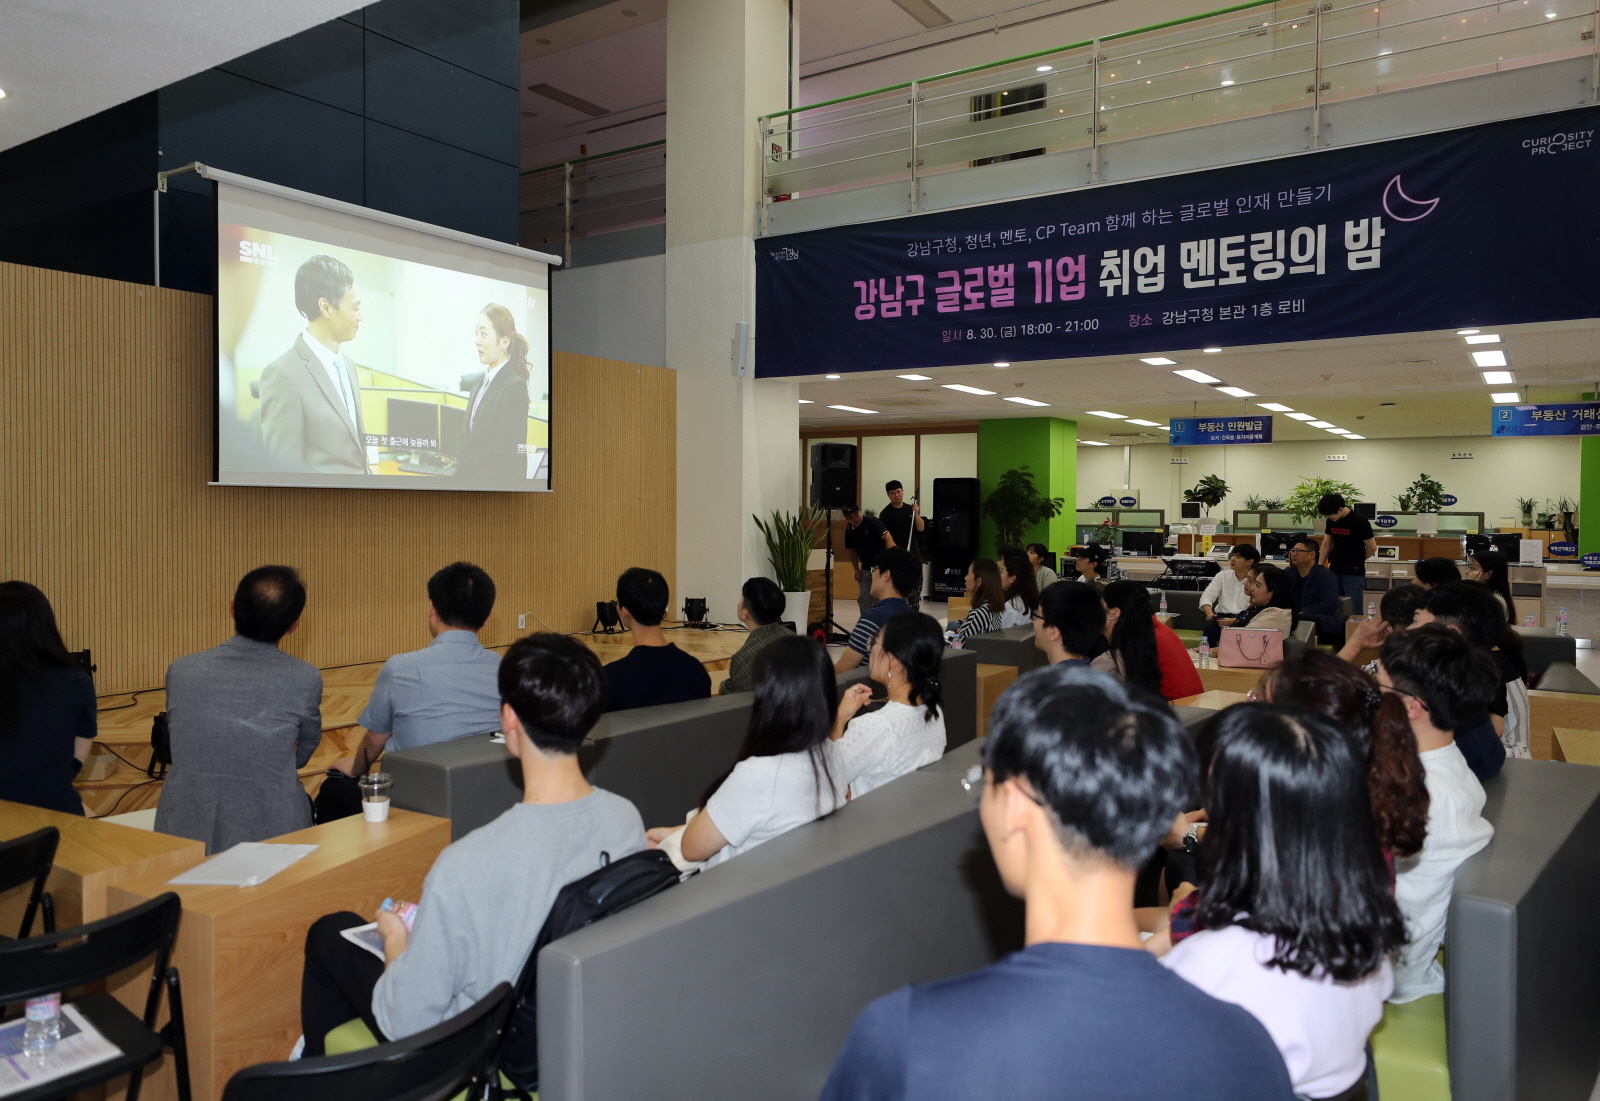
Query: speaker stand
(833, 632)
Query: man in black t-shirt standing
(864, 538)
(1346, 546)
(903, 521)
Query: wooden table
(240, 950)
(1229, 680)
(992, 680)
(91, 857)
(1578, 747)
(1567, 710)
(1213, 701)
(711, 648)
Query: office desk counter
(240, 949)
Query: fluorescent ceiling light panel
(1301, 417)
(1211, 351)
(1108, 416)
(1028, 401)
(916, 378)
(1489, 359)
(1147, 424)
(1002, 363)
(1093, 443)
(1353, 436)
(969, 389)
(1486, 338)
(1500, 378)
(1466, 332)
(1321, 424)
(1160, 361)
(1163, 428)
(830, 376)
(923, 12)
(853, 409)
(1337, 431)
(807, 401)
(1275, 407)
(1236, 391)
(1043, 68)
(1198, 376)
(1508, 398)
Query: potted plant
(1301, 503)
(1526, 505)
(1105, 534)
(1015, 505)
(1210, 491)
(789, 541)
(1427, 498)
(1565, 507)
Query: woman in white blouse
(1021, 592)
(873, 747)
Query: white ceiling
(64, 60)
(1431, 381)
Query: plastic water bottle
(1528, 621)
(1561, 622)
(1372, 609)
(1205, 654)
(1163, 602)
(43, 1030)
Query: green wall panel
(1048, 447)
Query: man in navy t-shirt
(894, 573)
(654, 671)
(1082, 779)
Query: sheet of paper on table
(245, 865)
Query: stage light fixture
(605, 618)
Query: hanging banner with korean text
(1487, 225)
(1197, 431)
(1579, 418)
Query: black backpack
(614, 887)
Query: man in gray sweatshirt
(488, 894)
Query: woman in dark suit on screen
(497, 412)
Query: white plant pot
(797, 610)
(1427, 524)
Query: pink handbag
(1244, 648)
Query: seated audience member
(1043, 575)
(1225, 597)
(445, 691)
(1433, 572)
(907, 732)
(1314, 590)
(487, 895)
(1022, 595)
(1269, 593)
(47, 706)
(1142, 650)
(243, 718)
(1091, 563)
(1469, 609)
(895, 574)
(1396, 611)
(1082, 778)
(1490, 568)
(1297, 913)
(761, 608)
(654, 671)
(988, 598)
(1069, 626)
(783, 776)
(1440, 679)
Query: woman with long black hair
(988, 598)
(783, 776)
(1021, 592)
(47, 708)
(1492, 569)
(494, 440)
(1297, 914)
(1143, 651)
(873, 747)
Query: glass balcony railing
(593, 195)
(1255, 59)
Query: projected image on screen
(344, 367)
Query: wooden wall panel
(105, 389)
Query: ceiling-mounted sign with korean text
(1198, 431)
(1421, 233)
(1576, 418)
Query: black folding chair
(429, 1066)
(31, 857)
(71, 958)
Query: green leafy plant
(1210, 491)
(1563, 503)
(1405, 501)
(1015, 505)
(1302, 501)
(1273, 504)
(1526, 505)
(789, 541)
(1426, 494)
(1257, 503)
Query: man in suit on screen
(310, 395)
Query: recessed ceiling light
(1321, 424)
(807, 401)
(1508, 398)
(853, 409)
(1301, 417)
(1002, 364)
(1336, 431)
(969, 389)
(1485, 338)
(1043, 68)
(1093, 443)
(830, 376)
(916, 378)
(1159, 361)
(1197, 376)
(1500, 378)
(1275, 407)
(1227, 83)
(1466, 332)
(1147, 424)
(1495, 358)
(1236, 391)
(1109, 416)
(1353, 436)
(1028, 401)
(2, 93)
(1211, 351)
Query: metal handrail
(606, 179)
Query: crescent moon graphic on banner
(1402, 207)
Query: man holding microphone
(903, 521)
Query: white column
(726, 64)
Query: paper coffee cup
(376, 810)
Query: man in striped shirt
(894, 573)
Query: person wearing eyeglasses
(1069, 624)
(1442, 679)
(1314, 590)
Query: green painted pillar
(1588, 493)
(1048, 447)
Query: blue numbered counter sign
(1449, 499)
(1129, 502)
(1386, 521)
(1108, 502)
(1563, 550)
(1591, 561)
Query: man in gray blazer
(243, 717)
(310, 395)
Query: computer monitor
(1189, 510)
(1367, 510)
(1275, 544)
(1509, 545)
(413, 425)
(1476, 543)
(1143, 542)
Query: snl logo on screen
(254, 252)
